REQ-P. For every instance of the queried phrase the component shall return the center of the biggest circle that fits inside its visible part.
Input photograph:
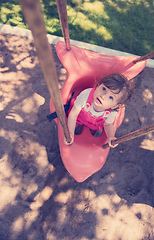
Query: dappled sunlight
(111, 212)
(11, 181)
(29, 103)
(63, 197)
(143, 119)
(24, 163)
(50, 235)
(88, 194)
(148, 96)
(9, 135)
(16, 117)
(114, 218)
(126, 120)
(101, 202)
(63, 182)
(9, 184)
(148, 144)
(94, 182)
(5, 169)
(8, 195)
(87, 18)
(42, 159)
(124, 6)
(30, 217)
(124, 219)
(81, 206)
(102, 30)
(11, 11)
(81, 20)
(17, 225)
(95, 8)
(124, 224)
(62, 215)
(20, 60)
(85, 23)
(24, 222)
(53, 25)
(29, 106)
(31, 188)
(44, 195)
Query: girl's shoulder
(86, 91)
(82, 98)
(84, 94)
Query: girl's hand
(72, 140)
(109, 142)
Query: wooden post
(138, 133)
(34, 17)
(61, 5)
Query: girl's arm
(109, 130)
(72, 123)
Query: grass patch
(125, 25)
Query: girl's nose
(103, 95)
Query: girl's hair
(117, 83)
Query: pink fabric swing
(84, 68)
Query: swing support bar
(143, 58)
(34, 17)
(61, 5)
(138, 133)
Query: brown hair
(117, 83)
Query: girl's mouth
(99, 101)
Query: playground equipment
(86, 155)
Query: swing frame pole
(62, 11)
(138, 133)
(33, 14)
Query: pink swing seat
(84, 68)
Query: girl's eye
(104, 89)
(111, 98)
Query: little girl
(97, 107)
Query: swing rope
(62, 11)
(143, 58)
(138, 133)
(34, 17)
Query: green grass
(125, 25)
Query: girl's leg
(78, 129)
(96, 133)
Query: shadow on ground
(39, 199)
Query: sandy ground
(39, 200)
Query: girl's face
(104, 98)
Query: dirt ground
(39, 200)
